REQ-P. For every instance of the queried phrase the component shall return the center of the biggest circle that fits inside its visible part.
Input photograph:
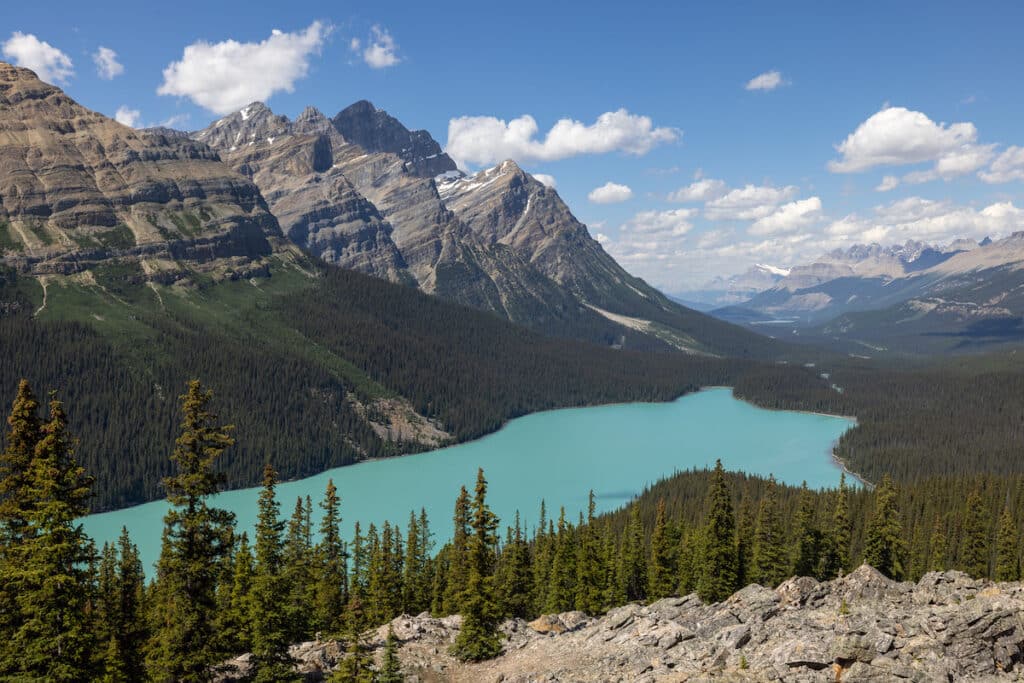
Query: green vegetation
(40, 231)
(8, 242)
(120, 237)
(213, 598)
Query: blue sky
(874, 121)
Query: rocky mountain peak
(377, 131)
(251, 125)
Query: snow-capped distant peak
(774, 270)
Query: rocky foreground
(862, 627)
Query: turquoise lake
(558, 456)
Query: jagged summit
(377, 131)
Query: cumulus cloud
(545, 179)
(674, 223)
(917, 218)
(488, 140)
(751, 202)
(769, 80)
(228, 75)
(1007, 167)
(788, 217)
(49, 63)
(128, 117)
(107, 66)
(610, 193)
(381, 50)
(896, 136)
(700, 190)
(889, 182)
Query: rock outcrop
(77, 188)
(862, 627)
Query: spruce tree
(15, 502)
(516, 577)
(662, 571)
(479, 638)
(52, 566)
(355, 666)
(718, 573)
(591, 574)
(633, 558)
(1007, 553)
(184, 645)
(331, 581)
(769, 564)
(458, 556)
(127, 626)
(808, 537)
(270, 633)
(974, 540)
(236, 622)
(745, 531)
(836, 559)
(297, 573)
(937, 546)
(390, 667)
(562, 584)
(883, 544)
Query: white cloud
(128, 117)
(896, 136)
(355, 44)
(769, 80)
(917, 218)
(49, 63)
(748, 203)
(381, 51)
(107, 66)
(1007, 167)
(700, 190)
(545, 179)
(889, 182)
(610, 193)
(672, 223)
(488, 140)
(789, 217)
(226, 76)
(602, 238)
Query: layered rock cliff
(77, 188)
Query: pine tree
(126, 627)
(516, 577)
(1007, 555)
(745, 531)
(937, 547)
(690, 543)
(562, 585)
(360, 560)
(297, 573)
(479, 638)
(52, 566)
(590, 571)
(196, 538)
(837, 548)
(974, 541)
(15, 502)
(331, 582)
(543, 557)
(808, 537)
(633, 558)
(270, 636)
(413, 569)
(236, 622)
(662, 570)
(883, 544)
(390, 667)
(458, 556)
(718, 575)
(769, 565)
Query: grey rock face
(862, 627)
(77, 188)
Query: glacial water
(558, 456)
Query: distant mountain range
(913, 297)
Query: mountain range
(913, 297)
